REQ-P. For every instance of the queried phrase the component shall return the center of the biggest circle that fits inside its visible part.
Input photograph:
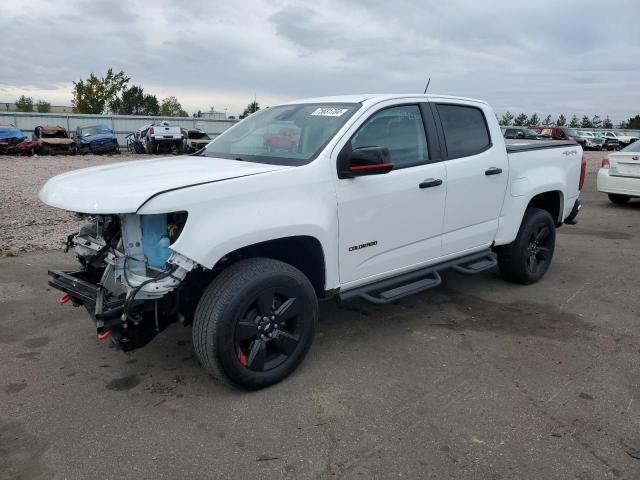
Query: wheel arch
(303, 252)
(552, 201)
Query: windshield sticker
(329, 111)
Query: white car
(592, 141)
(362, 196)
(619, 176)
(623, 140)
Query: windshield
(197, 135)
(53, 133)
(283, 135)
(585, 134)
(634, 147)
(95, 130)
(571, 132)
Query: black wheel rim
(269, 330)
(538, 249)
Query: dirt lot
(477, 379)
(27, 224)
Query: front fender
(235, 213)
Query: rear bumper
(162, 138)
(607, 183)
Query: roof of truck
(378, 97)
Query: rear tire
(151, 148)
(527, 259)
(255, 323)
(618, 199)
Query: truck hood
(124, 187)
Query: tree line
(112, 93)
(523, 120)
(25, 104)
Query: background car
(560, 133)
(623, 140)
(52, 139)
(96, 139)
(194, 139)
(591, 141)
(161, 137)
(619, 176)
(523, 133)
(10, 136)
(609, 143)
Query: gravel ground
(29, 225)
(26, 223)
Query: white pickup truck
(370, 197)
(162, 137)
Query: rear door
(477, 173)
(392, 222)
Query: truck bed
(516, 146)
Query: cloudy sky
(533, 56)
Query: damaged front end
(131, 282)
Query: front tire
(618, 199)
(527, 259)
(255, 323)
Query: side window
(465, 130)
(399, 129)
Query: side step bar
(393, 289)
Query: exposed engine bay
(131, 281)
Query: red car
(560, 133)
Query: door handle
(493, 171)
(430, 182)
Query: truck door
(477, 173)
(392, 222)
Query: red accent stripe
(370, 167)
(241, 357)
(104, 335)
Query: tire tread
(220, 292)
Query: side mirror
(364, 161)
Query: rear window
(465, 130)
(196, 135)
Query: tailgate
(166, 132)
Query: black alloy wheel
(255, 322)
(529, 256)
(268, 332)
(538, 250)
